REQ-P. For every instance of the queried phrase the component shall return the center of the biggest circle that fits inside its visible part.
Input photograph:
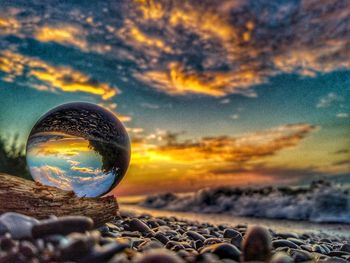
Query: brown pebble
(256, 245)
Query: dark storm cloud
(202, 47)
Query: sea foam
(321, 201)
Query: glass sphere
(80, 147)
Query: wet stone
(256, 244)
(19, 226)
(103, 254)
(231, 233)
(195, 236)
(137, 225)
(300, 255)
(63, 225)
(281, 257)
(345, 247)
(223, 250)
(161, 237)
(284, 243)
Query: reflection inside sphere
(80, 147)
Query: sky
(211, 93)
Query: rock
(63, 225)
(195, 236)
(281, 257)
(159, 256)
(300, 255)
(296, 241)
(237, 240)
(306, 247)
(174, 245)
(337, 253)
(231, 233)
(161, 237)
(223, 250)
(284, 243)
(76, 247)
(137, 225)
(103, 254)
(27, 249)
(318, 249)
(256, 244)
(285, 235)
(345, 247)
(212, 240)
(198, 244)
(19, 226)
(131, 234)
(333, 260)
(6, 243)
(3, 229)
(149, 245)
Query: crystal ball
(79, 147)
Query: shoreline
(331, 229)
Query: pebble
(345, 247)
(18, 225)
(284, 243)
(256, 244)
(104, 253)
(281, 257)
(161, 237)
(137, 225)
(300, 255)
(131, 238)
(231, 233)
(223, 250)
(64, 225)
(195, 236)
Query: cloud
(180, 81)
(63, 34)
(85, 170)
(328, 100)
(191, 164)
(96, 182)
(44, 76)
(52, 176)
(235, 116)
(197, 47)
(66, 146)
(220, 150)
(228, 47)
(342, 115)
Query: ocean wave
(321, 201)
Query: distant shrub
(12, 157)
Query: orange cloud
(209, 161)
(67, 146)
(140, 40)
(52, 78)
(65, 34)
(179, 81)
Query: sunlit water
(80, 147)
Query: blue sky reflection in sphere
(80, 147)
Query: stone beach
(145, 239)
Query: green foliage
(12, 157)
